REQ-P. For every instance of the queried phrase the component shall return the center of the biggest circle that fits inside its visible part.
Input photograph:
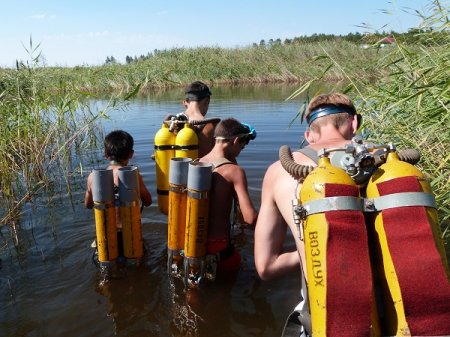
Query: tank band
(404, 199)
(103, 205)
(186, 147)
(164, 147)
(162, 192)
(197, 194)
(333, 204)
(177, 188)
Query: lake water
(53, 288)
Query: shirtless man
(228, 182)
(332, 122)
(196, 103)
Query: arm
(206, 139)
(270, 258)
(245, 203)
(146, 197)
(88, 200)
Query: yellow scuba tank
(130, 212)
(336, 249)
(186, 144)
(198, 185)
(105, 214)
(164, 150)
(409, 265)
(176, 220)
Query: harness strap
(221, 161)
(298, 323)
(310, 153)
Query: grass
(175, 67)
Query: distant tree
(110, 60)
(128, 59)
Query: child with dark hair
(229, 183)
(118, 149)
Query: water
(54, 289)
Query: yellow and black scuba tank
(186, 143)
(105, 215)
(164, 144)
(409, 262)
(130, 212)
(176, 220)
(197, 217)
(176, 138)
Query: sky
(86, 32)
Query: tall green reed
(45, 126)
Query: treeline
(376, 39)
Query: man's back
(221, 200)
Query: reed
(43, 136)
(409, 105)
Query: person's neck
(193, 111)
(220, 151)
(117, 163)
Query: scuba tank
(198, 185)
(186, 143)
(176, 220)
(410, 267)
(105, 214)
(176, 138)
(336, 250)
(130, 212)
(164, 151)
(342, 308)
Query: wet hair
(197, 91)
(229, 128)
(118, 145)
(335, 101)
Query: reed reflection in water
(54, 289)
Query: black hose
(297, 171)
(411, 156)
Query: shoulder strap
(298, 323)
(221, 161)
(310, 153)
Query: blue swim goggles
(246, 137)
(251, 133)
